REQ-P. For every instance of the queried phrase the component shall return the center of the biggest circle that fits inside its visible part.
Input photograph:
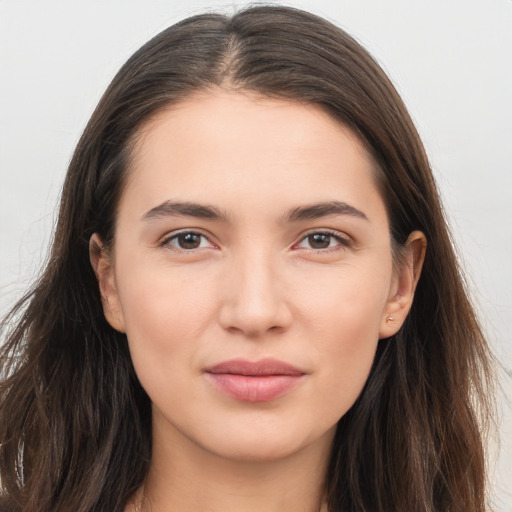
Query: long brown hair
(75, 431)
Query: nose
(254, 297)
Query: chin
(257, 451)
(258, 445)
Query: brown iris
(189, 240)
(319, 240)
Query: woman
(252, 300)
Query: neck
(184, 477)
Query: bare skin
(250, 229)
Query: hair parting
(75, 429)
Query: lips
(259, 381)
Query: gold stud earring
(389, 319)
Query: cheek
(165, 314)
(344, 320)
(160, 299)
(345, 357)
(171, 316)
(348, 301)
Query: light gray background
(451, 62)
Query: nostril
(255, 332)
(252, 301)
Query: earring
(389, 319)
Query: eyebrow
(301, 213)
(316, 211)
(173, 209)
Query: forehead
(222, 146)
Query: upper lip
(267, 366)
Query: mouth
(258, 381)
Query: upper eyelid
(165, 240)
(326, 231)
(343, 239)
(335, 233)
(195, 231)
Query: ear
(103, 268)
(402, 291)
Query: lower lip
(261, 388)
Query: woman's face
(251, 272)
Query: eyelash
(167, 241)
(343, 241)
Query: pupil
(189, 241)
(319, 241)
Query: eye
(320, 241)
(187, 241)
